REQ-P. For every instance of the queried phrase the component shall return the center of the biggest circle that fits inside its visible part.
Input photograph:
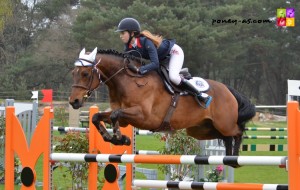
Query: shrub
(74, 142)
(179, 144)
(214, 175)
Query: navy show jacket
(147, 50)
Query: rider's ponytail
(156, 39)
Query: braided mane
(116, 53)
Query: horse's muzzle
(76, 104)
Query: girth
(175, 92)
(165, 125)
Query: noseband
(91, 79)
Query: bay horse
(143, 102)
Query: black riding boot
(189, 87)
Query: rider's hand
(133, 68)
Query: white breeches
(175, 64)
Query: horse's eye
(85, 74)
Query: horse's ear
(92, 55)
(82, 53)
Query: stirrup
(207, 100)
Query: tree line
(39, 41)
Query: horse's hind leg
(230, 149)
(228, 145)
(237, 143)
(238, 140)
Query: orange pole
(241, 186)
(293, 145)
(160, 159)
(9, 152)
(93, 167)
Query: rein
(101, 82)
(123, 68)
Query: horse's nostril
(75, 104)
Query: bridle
(91, 79)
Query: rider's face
(124, 35)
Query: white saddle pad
(200, 84)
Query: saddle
(199, 83)
(171, 88)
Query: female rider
(156, 49)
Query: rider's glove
(133, 68)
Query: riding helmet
(129, 24)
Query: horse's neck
(108, 65)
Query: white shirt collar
(134, 44)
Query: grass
(245, 174)
(270, 133)
(263, 174)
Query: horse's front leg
(123, 117)
(118, 138)
(97, 120)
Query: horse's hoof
(107, 139)
(234, 165)
(125, 140)
(115, 141)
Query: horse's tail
(246, 110)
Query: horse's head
(86, 74)
(86, 78)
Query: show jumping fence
(213, 147)
(207, 185)
(41, 144)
